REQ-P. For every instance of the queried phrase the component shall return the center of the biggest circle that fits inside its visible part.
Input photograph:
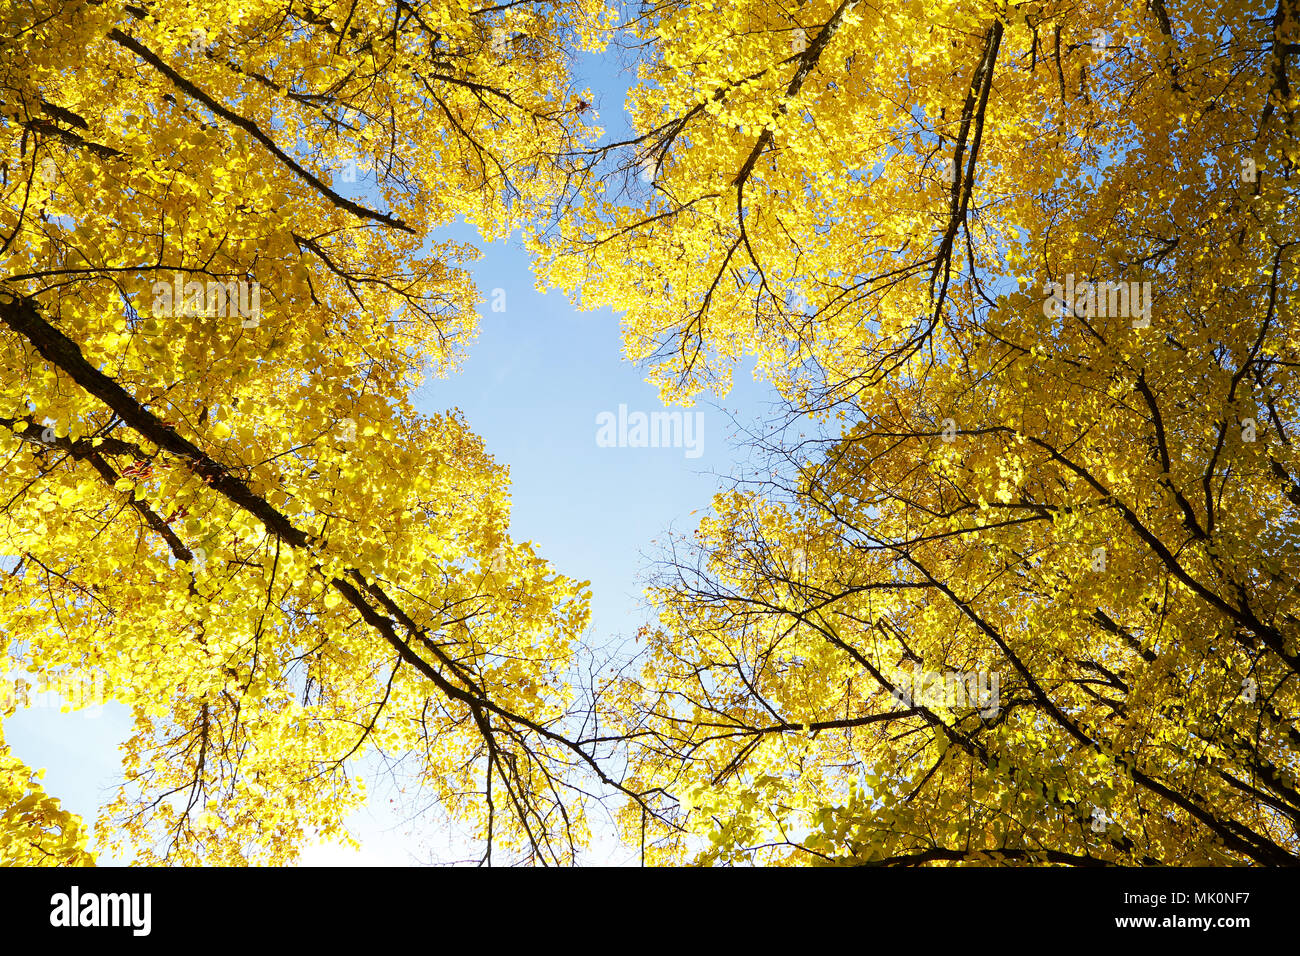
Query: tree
(1020, 585)
(218, 287)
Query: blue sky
(534, 382)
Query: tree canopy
(216, 492)
(1024, 275)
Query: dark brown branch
(255, 131)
